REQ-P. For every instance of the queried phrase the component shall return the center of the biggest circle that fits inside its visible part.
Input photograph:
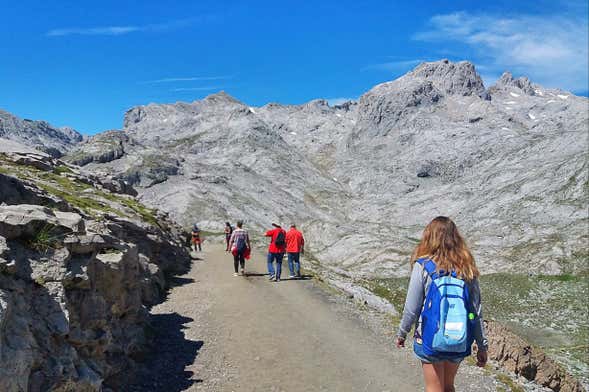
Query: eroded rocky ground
(80, 263)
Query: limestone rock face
(451, 78)
(508, 164)
(79, 267)
(384, 108)
(101, 148)
(507, 81)
(38, 134)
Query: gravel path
(217, 332)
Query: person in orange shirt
(295, 246)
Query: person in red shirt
(276, 251)
(295, 246)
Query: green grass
(62, 169)
(70, 191)
(65, 183)
(147, 214)
(45, 238)
(86, 204)
(393, 290)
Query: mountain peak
(523, 83)
(458, 78)
(221, 97)
(38, 134)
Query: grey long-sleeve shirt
(418, 288)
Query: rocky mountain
(81, 262)
(508, 163)
(37, 134)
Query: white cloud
(339, 100)
(551, 49)
(185, 79)
(121, 30)
(109, 30)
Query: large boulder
(27, 220)
(100, 148)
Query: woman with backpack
(240, 246)
(444, 303)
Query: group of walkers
(290, 242)
(443, 303)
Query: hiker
(239, 244)
(196, 241)
(276, 251)
(228, 232)
(444, 272)
(295, 244)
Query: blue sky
(83, 63)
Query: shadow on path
(163, 369)
(284, 278)
(176, 281)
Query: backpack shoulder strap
(429, 266)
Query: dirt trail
(250, 334)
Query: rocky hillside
(81, 261)
(508, 163)
(38, 134)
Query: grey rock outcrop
(519, 357)
(385, 108)
(507, 81)
(450, 78)
(101, 148)
(79, 267)
(38, 134)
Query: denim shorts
(418, 351)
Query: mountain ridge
(39, 134)
(508, 163)
(434, 129)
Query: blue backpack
(446, 321)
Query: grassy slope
(84, 197)
(548, 311)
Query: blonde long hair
(442, 242)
